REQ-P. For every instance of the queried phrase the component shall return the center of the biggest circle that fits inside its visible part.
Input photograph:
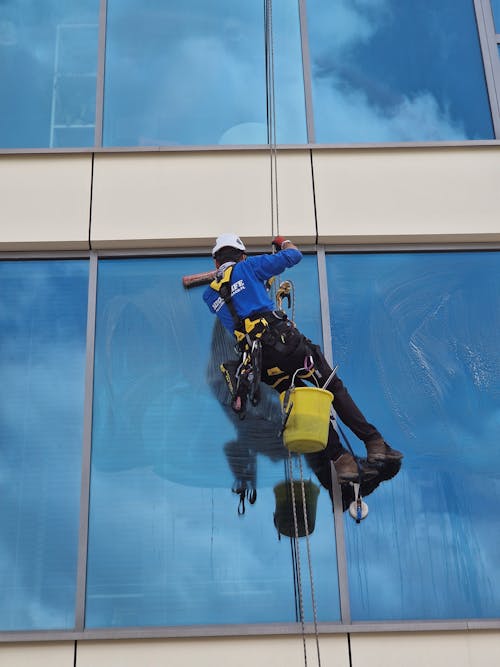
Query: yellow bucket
(306, 429)
(283, 516)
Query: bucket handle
(287, 408)
(287, 404)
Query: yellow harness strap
(226, 277)
(256, 327)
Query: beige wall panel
(413, 194)
(44, 201)
(460, 649)
(175, 199)
(42, 654)
(278, 652)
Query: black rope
(293, 552)
(358, 464)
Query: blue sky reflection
(48, 64)
(388, 71)
(43, 311)
(165, 446)
(194, 74)
(416, 339)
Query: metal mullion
(421, 246)
(81, 579)
(489, 52)
(248, 630)
(338, 514)
(28, 255)
(306, 72)
(101, 63)
(238, 148)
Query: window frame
(489, 42)
(345, 625)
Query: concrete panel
(175, 199)
(460, 649)
(38, 654)
(406, 195)
(44, 201)
(278, 652)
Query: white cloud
(348, 115)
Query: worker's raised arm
(267, 266)
(282, 243)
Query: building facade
(131, 135)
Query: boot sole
(354, 477)
(377, 458)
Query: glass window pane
(193, 73)
(495, 8)
(166, 544)
(416, 340)
(397, 71)
(48, 56)
(288, 78)
(43, 312)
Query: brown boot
(346, 468)
(379, 450)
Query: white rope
(297, 545)
(271, 115)
(311, 579)
(309, 560)
(275, 229)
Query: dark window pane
(397, 71)
(48, 61)
(166, 451)
(43, 310)
(194, 73)
(416, 338)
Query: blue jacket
(248, 292)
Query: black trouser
(284, 347)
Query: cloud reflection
(371, 85)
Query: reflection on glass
(49, 60)
(166, 543)
(416, 338)
(288, 78)
(397, 71)
(43, 309)
(495, 8)
(193, 73)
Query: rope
(342, 433)
(273, 154)
(313, 596)
(298, 562)
(271, 114)
(299, 577)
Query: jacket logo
(236, 287)
(217, 304)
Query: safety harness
(242, 376)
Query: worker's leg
(288, 361)
(345, 465)
(287, 349)
(343, 403)
(376, 447)
(350, 414)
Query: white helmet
(228, 240)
